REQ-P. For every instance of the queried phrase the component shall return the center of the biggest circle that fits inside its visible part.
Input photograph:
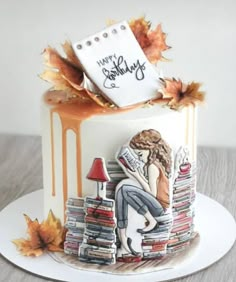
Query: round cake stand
(216, 240)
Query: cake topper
(68, 74)
(116, 64)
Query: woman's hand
(150, 184)
(135, 174)
(139, 176)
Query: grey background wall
(202, 35)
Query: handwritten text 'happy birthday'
(119, 67)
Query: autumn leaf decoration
(66, 73)
(178, 95)
(49, 235)
(153, 42)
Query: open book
(127, 158)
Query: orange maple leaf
(63, 73)
(66, 74)
(49, 235)
(179, 95)
(153, 42)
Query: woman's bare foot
(150, 226)
(152, 223)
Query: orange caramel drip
(194, 133)
(187, 127)
(55, 97)
(72, 113)
(52, 154)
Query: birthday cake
(119, 148)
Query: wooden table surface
(21, 173)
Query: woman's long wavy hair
(159, 150)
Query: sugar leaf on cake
(46, 236)
(65, 74)
(153, 42)
(180, 94)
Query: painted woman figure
(152, 198)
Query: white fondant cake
(70, 145)
(119, 167)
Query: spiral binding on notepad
(97, 39)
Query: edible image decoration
(116, 64)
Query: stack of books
(154, 244)
(116, 175)
(184, 192)
(75, 224)
(99, 236)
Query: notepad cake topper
(115, 68)
(116, 64)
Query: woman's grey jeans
(138, 199)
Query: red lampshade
(98, 171)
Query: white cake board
(216, 240)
